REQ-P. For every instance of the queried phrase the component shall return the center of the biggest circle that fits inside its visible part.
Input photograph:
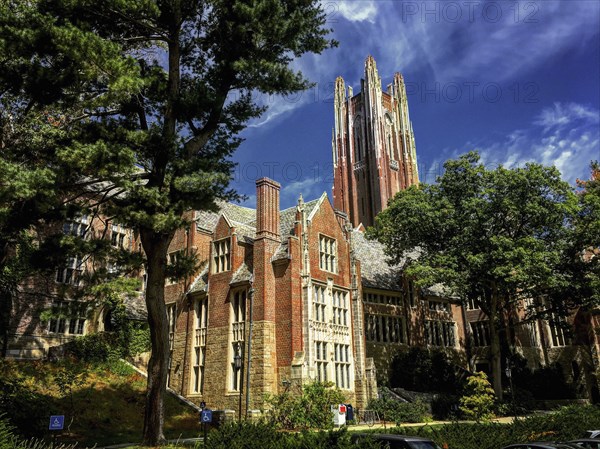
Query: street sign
(206, 416)
(57, 422)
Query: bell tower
(373, 146)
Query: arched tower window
(358, 140)
(389, 133)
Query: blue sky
(518, 81)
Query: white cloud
(564, 135)
(354, 11)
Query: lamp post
(237, 365)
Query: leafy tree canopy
(492, 236)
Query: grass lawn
(103, 404)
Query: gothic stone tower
(373, 146)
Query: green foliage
(308, 408)
(21, 401)
(478, 400)
(424, 369)
(400, 412)
(445, 406)
(265, 436)
(491, 236)
(565, 424)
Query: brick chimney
(267, 208)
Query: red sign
(342, 408)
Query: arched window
(389, 132)
(358, 140)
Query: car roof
(540, 444)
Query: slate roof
(375, 271)
(200, 283)
(244, 219)
(242, 274)
(135, 307)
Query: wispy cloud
(308, 188)
(563, 114)
(564, 135)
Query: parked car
(389, 441)
(542, 445)
(587, 443)
(592, 434)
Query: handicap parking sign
(206, 416)
(57, 422)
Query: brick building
(293, 271)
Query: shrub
(265, 436)
(308, 408)
(478, 402)
(400, 412)
(20, 401)
(94, 347)
(565, 424)
(424, 369)
(445, 406)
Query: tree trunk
(495, 352)
(155, 247)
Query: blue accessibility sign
(57, 422)
(206, 415)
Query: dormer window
(222, 255)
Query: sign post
(57, 422)
(205, 418)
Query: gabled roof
(243, 219)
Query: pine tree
(150, 96)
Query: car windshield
(422, 445)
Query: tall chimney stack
(267, 208)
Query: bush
(478, 402)
(426, 370)
(310, 408)
(94, 348)
(9, 440)
(565, 424)
(265, 436)
(20, 401)
(399, 412)
(445, 406)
